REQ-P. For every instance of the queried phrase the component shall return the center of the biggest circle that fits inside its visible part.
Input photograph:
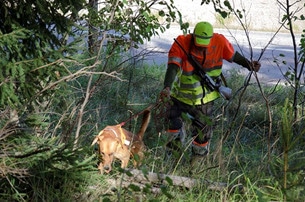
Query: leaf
(161, 13)
(284, 18)
(134, 187)
(164, 191)
(227, 4)
(240, 15)
(169, 180)
(224, 14)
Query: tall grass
(239, 160)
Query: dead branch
(81, 113)
(116, 183)
(137, 177)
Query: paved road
(269, 73)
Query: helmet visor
(202, 40)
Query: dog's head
(108, 146)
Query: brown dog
(117, 142)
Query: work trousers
(199, 116)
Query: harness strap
(122, 136)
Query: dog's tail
(145, 122)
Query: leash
(139, 113)
(160, 113)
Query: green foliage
(46, 79)
(64, 95)
(224, 8)
(41, 168)
(302, 48)
(31, 49)
(130, 23)
(45, 19)
(290, 162)
(295, 71)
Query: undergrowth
(241, 166)
(240, 161)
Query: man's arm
(170, 75)
(241, 60)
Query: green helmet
(203, 33)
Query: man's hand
(255, 66)
(164, 95)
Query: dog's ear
(95, 140)
(98, 138)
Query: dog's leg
(125, 161)
(138, 162)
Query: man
(188, 94)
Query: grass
(239, 160)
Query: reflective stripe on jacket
(187, 87)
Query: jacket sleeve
(176, 54)
(241, 60)
(170, 75)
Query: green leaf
(228, 5)
(161, 13)
(169, 180)
(134, 187)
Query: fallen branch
(138, 178)
(117, 183)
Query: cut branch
(137, 177)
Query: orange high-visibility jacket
(187, 87)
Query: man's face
(200, 48)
